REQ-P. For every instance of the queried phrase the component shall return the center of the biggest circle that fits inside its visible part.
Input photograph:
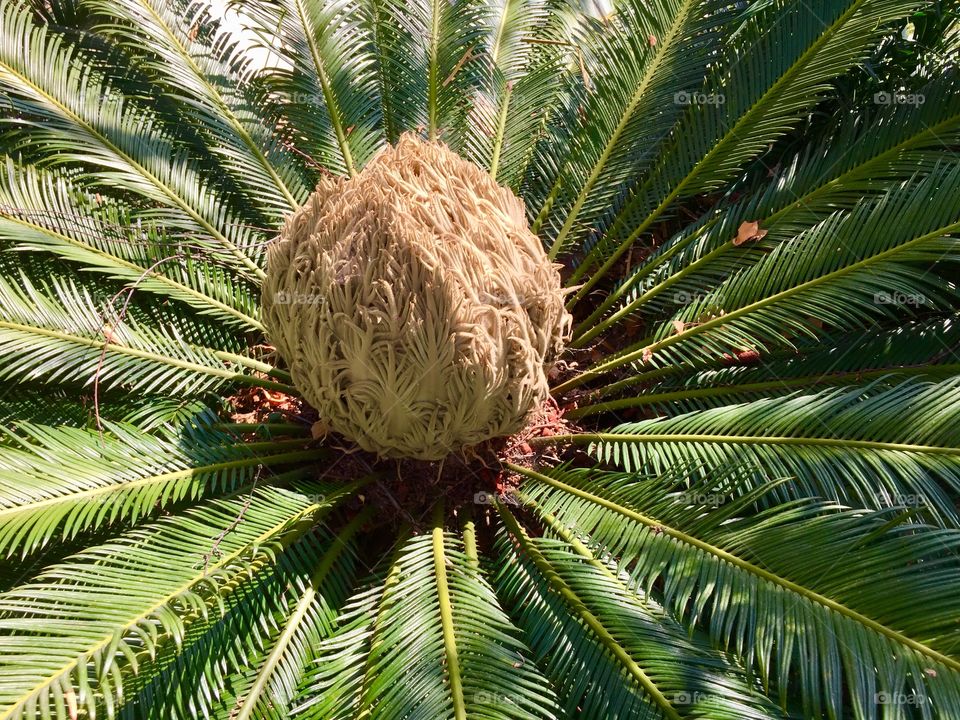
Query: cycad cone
(414, 307)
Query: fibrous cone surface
(415, 309)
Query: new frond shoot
(415, 309)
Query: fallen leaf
(748, 232)
(319, 430)
(652, 39)
(679, 326)
(71, 697)
(647, 354)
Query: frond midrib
(274, 459)
(559, 585)
(325, 565)
(625, 117)
(446, 617)
(225, 109)
(153, 357)
(333, 110)
(153, 179)
(752, 307)
(748, 567)
(745, 118)
(225, 560)
(146, 272)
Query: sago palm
(713, 475)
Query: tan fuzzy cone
(414, 307)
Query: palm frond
(78, 118)
(636, 61)
(858, 159)
(323, 84)
(205, 76)
(274, 684)
(780, 64)
(839, 273)
(58, 332)
(642, 640)
(58, 482)
(918, 348)
(44, 211)
(874, 449)
(437, 625)
(119, 613)
(801, 618)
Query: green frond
(811, 619)
(428, 53)
(205, 76)
(82, 120)
(56, 483)
(883, 358)
(430, 640)
(59, 333)
(575, 659)
(858, 159)
(637, 61)
(311, 620)
(782, 63)
(838, 273)
(120, 614)
(644, 640)
(874, 449)
(43, 211)
(527, 46)
(323, 85)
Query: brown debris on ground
(405, 491)
(258, 405)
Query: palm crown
(743, 503)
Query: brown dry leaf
(748, 232)
(71, 697)
(679, 326)
(319, 430)
(647, 354)
(652, 39)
